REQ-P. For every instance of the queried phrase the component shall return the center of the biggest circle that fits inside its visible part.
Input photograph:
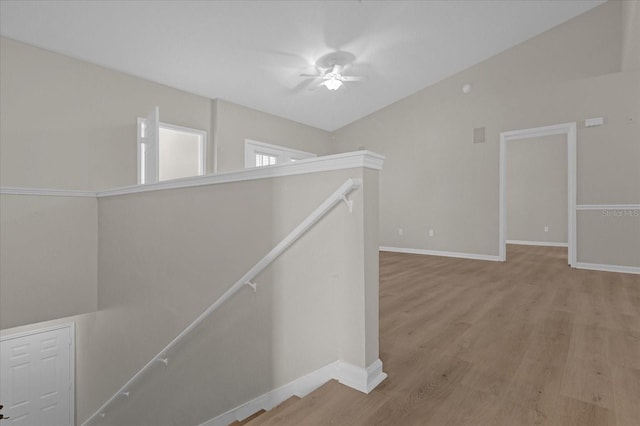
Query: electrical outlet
(546, 228)
(431, 233)
(400, 232)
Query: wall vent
(478, 134)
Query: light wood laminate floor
(526, 342)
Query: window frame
(284, 154)
(202, 149)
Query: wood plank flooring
(473, 343)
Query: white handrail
(339, 195)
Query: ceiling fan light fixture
(333, 83)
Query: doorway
(568, 130)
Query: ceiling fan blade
(312, 75)
(316, 85)
(304, 84)
(353, 78)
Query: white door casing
(568, 129)
(37, 371)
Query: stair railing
(339, 195)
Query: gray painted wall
(48, 258)
(436, 178)
(82, 136)
(165, 256)
(69, 124)
(235, 123)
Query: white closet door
(37, 378)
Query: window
(166, 151)
(260, 154)
(265, 159)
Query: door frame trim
(72, 356)
(568, 129)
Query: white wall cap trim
(537, 243)
(460, 255)
(608, 207)
(608, 268)
(46, 192)
(348, 160)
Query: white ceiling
(253, 52)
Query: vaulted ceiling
(253, 52)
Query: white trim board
(349, 160)
(608, 207)
(568, 129)
(460, 255)
(473, 256)
(361, 379)
(608, 268)
(251, 147)
(7, 190)
(537, 243)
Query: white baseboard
(461, 255)
(537, 243)
(361, 379)
(358, 378)
(608, 268)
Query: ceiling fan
(333, 65)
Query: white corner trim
(364, 380)
(537, 243)
(608, 268)
(608, 207)
(461, 255)
(7, 190)
(365, 159)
